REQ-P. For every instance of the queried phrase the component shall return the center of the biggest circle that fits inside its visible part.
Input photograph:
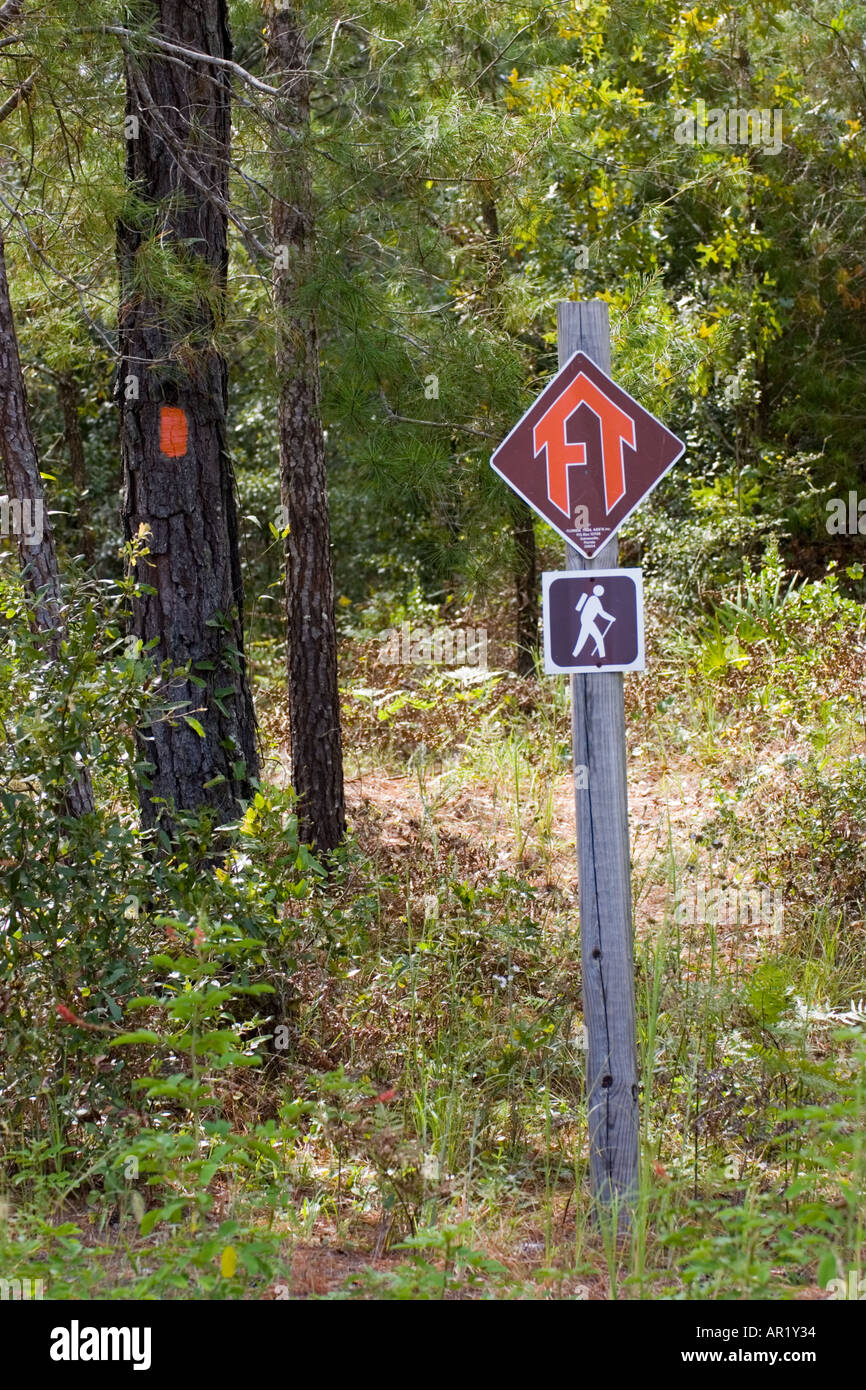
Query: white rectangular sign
(593, 620)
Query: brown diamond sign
(585, 454)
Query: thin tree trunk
(311, 642)
(69, 395)
(23, 481)
(24, 487)
(178, 480)
(525, 572)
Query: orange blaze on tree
(172, 431)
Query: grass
(422, 1133)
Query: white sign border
(547, 578)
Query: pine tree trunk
(311, 643)
(178, 481)
(69, 395)
(23, 482)
(522, 528)
(24, 487)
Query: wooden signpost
(584, 456)
(603, 867)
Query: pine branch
(434, 424)
(215, 199)
(12, 103)
(209, 58)
(10, 12)
(66, 279)
(502, 52)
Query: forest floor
(416, 1128)
(400, 822)
(459, 1001)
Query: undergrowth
(217, 1084)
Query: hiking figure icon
(590, 609)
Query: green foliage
(72, 886)
(472, 164)
(463, 1270)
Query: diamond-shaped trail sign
(585, 454)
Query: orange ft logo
(617, 430)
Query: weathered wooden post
(584, 455)
(604, 870)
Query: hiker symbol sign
(593, 620)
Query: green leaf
(142, 1035)
(149, 1220)
(826, 1269)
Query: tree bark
(23, 480)
(24, 487)
(69, 395)
(522, 528)
(10, 12)
(178, 480)
(311, 641)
